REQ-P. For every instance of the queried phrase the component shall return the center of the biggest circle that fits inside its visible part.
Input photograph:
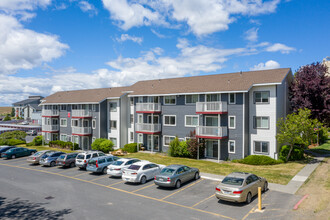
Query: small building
(3, 130)
(25, 108)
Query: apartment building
(81, 116)
(27, 107)
(233, 114)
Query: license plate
(127, 179)
(161, 179)
(226, 192)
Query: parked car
(18, 152)
(5, 148)
(100, 164)
(175, 175)
(115, 169)
(240, 187)
(83, 158)
(35, 158)
(25, 123)
(67, 160)
(50, 159)
(141, 171)
(31, 132)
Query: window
(113, 106)
(63, 137)
(140, 99)
(63, 122)
(191, 99)
(153, 99)
(261, 122)
(232, 122)
(231, 147)
(261, 97)
(212, 97)
(131, 101)
(94, 124)
(113, 124)
(114, 141)
(74, 106)
(232, 98)
(261, 147)
(131, 118)
(140, 118)
(168, 139)
(74, 123)
(75, 139)
(191, 121)
(169, 120)
(170, 100)
(63, 107)
(93, 107)
(132, 136)
(140, 138)
(47, 136)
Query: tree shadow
(23, 209)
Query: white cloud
(22, 48)
(203, 17)
(251, 34)
(87, 7)
(15, 5)
(280, 47)
(125, 37)
(270, 64)
(158, 34)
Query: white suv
(83, 158)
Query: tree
(194, 147)
(311, 89)
(297, 129)
(7, 118)
(102, 144)
(12, 112)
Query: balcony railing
(211, 107)
(50, 128)
(50, 112)
(211, 132)
(147, 128)
(148, 107)
(81, 130)
(81, 113)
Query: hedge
(64, 145)
(11, 142)
(258, 160)
(130, 148)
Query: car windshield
(167, 171)
(134, 167)
(38, 153)
(233, 181)
(118, 163)
(62, 156)
(80, 156)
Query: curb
(211, 178)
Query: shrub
(13, 142)
(130, 148)
(296, 154)
(103, 145)
(63, 145)
(20, 135)
(75, 146)
(7, 118)
(178, 148)
(258, 160)
(37, 141)
(97, 142)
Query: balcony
(148, 108)
(50, 128)
(211, 107)
(50, 113)
(81, 131)
(147, 128)
(81, 113)
(211, 132)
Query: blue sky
(48, 46)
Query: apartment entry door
(211, 149)
(85, 143)
(153, 140)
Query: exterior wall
(268, 110)
(130, 126)
(247, 123)
(36, 117)
(102, 123)
(124, 120)
(114, 116)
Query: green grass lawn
(40, 148)
(323, 148)
(280, 173)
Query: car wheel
(13, 156)
(52, 163)
(178, 184)
(71, 164)
(248, 198)
(143, 180)
(196, 176)
(104, 171)
(265, 187)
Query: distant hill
(5, 110)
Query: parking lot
(74, 193)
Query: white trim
(169, 116)
(229, 98)
(243, 134)
(230, 152)
(92, 124)
(74, 120)
(138, 141)
(231, 116)
(65, 136)
(262, 153)
(66, 122)
(115, 128)
(213, 116)
(165, 136)
(185, 99)
(192, 93)
(138, 116)
(171, 103)
(69, 103)
(185, 121)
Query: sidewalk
(294, 184)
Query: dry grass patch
(5, 110)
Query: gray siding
(103, 120)
(247, 125)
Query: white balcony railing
(148, 107)
(210, 131)
(146, 127)
(50, 127)
(81, 130)
(50, 112)
(81, 113)
(211, 107)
